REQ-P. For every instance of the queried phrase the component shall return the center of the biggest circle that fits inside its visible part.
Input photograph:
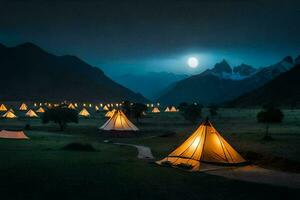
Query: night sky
(137, 37)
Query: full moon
(193, 62)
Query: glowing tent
(204, 145)
(9, 114)
(173, 109)
(13, 135)
(84, 113)
(167, 109)
(155, 110)
(23, 107)
(31, 113)
(11, 110)
(119, 122)
(71, 106)
(105, 107)
(40, 110)
(110, 113)
(3, 107)
(96, 108)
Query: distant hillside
(30, 73)
(151, 84)
(283, 90)
(223, 83)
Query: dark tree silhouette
(137, 110)
(269, 115)
(126, 106)
(182, 106)
(192, 113)
(60, 115)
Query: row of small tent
(107, 107)
(171, 109)
(205, 145)
(24, 107)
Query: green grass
(39, 169)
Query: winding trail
(143, 151)
(248, 173)
(252, 173)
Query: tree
(126, 106)
(60, 115)
(182, 106)
(269, 115)
(213, 110)
(192, 113)
(137, 110)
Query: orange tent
(23, 107)
(9, 114)
(40, 110)
(84, 113)
(119, 122)
(31, 114)
(71, 106)
(20, 135)
(155, 110)
(3, 107)
(204, 145)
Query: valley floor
(39, 169)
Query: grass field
(39, 169)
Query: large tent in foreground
(118, 122)
(20, 135)
(204, 145)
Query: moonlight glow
(193, 62)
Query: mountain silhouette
(281, 91)
(150, 84)
(30, 73)
(222, 83)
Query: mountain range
(30, 73)
(284, 90)
(151, 84)
(223, 83)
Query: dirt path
(143, 151)
(259, 175)
(249, 173)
